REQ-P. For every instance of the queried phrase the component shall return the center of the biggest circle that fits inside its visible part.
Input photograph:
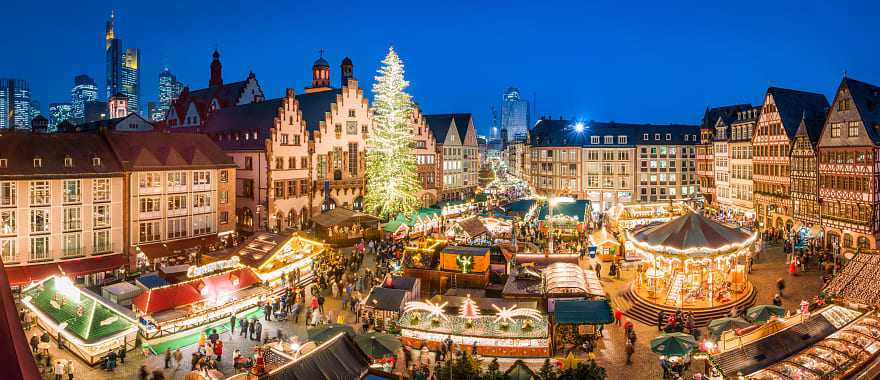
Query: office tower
(59, 112)
(514, 115)
(84, 90)
(15, 103)
(35, 108)
(169, 89)
(123, 73)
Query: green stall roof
(583, 312)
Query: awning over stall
(582, 312)
(24, 275)
(177, 247)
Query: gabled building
(805, 172)
(458, 152)
(781, 115)
(425, 150)
(192, 107)
(131, 123)
(849, 154)
(705, 157)
(741, 206)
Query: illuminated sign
(195, 271)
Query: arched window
(291, 218)
(863, 242)
(847, 240)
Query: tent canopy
(583, 312)
(576, 209)
(343, 217)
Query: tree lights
(392, 179)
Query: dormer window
(96, 161)
(3, 163)
(657, 136)
(38, 162)
(68, 162)
(668, 136)
(685, 137)
(645, 137)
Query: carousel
(692, 263)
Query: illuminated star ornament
(507, 314)
(433, 310)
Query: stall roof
(472, 226)
(485, 304)
(520, 206)
(466, 251)
(857, 280)
(404, 283)
(688, 231)
(23, 275)
(13, 342)
(386, 298)
(122, 289)
(583, 312)
(410, 219)
(559, 276)
(181, 294)
(519, 371)
(177, 247)
(337, 358)
(773, 348)
(576, 209)
(343, 217)
(151, 280)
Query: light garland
(690, 252)
(508, 313)
(433, 310)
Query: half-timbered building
(849, 167)
(804, 173)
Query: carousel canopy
(691, 231)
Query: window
(248, 163)
(338, 129)
(38, 162)
(296, 140)
(657, 136)
(668, 136)
(224, 217)
(835, 129)
(177, 228)
(150, 204)
(39, 221)
(609, 140)
(7, 222)
(351, 127)
(351, 113)
(353, 159)
(39, 248)
(283, 139)
(72, 245)
(224, 197)
(279, 163)
(39, 193)
(101, 216)
(150, 182)
(96, 161)
(101, 241)
(72, 191)
(7, 194)
(149, 231)
(202, 224)
(645, 137)
(279, 189)
(291, 162)
(843, 105)
(594, 139)
(7, 251)
(68, 162)
(176, 202)
(176, 180)
(72, 220)
(201, 178)
(854, 129)
(3, 163)
(621, 139)
(322, 166)
(304, 163)
(101, 190)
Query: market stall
(606, 245)
(344, 225)
(624, 217)
(565, 217)
(576, 320)
(467, 230)
(384, 305)
(692, 263)
(455, 208)
(465, 259)
(277, 259)
(88, 325)
(564, 281)
(211, 293)
(419, 223)
(510, 331)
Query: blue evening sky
(633, 61)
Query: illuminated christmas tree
(392, 177)
(469, 308)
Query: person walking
(168, 357)
(218, 350)
(267, 311)
(618, 315)
(661, 318)
(630, 349)
(780, 285)
(58, 370)
(321, 303)
(252, 325)
(178, 358)
(232, 324)
(70, 370)
(295, 312)
(242, 327)
(777, 300)
(258, 331)
(121, 355)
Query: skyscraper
(123, 73)
(59, 112)
(169, 89)
(514, 115)
(15, 103)
(35, 109)
(84, 90)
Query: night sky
(648, 61)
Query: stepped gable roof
(690, 231)
(250, 117)
(794, 105)
(166, 151)
(867, 101)
(439, 125)
(315, 105)
(21, 147)
(711, 115)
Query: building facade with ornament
(781, 114)
(425, 150)
(849, 157)
(805, 173)
(705, 156)
(457, 154)
(741, 204)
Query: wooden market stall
(465, 259)
(576, 320)
(466, 230)
(422, 222)
(277, 259)
(88, 325)
(607, 246)
(383, 304)
(341, 225)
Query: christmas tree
(469, 308)
(392, 177)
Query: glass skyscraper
(15, 104)
(169, 89)
(123, 73)
(35, 109)
(514, 115)
(59, 112)
(84, 90)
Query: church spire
(216, 71)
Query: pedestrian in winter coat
(218, 350)
(242, 327)
(780, 285)
(168, 357)
(630, 349)
(618, 315)
(661, 318)
(178, 358)
(232, 324)
(258, 331)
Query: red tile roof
(166, 151)
(19, 148)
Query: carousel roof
(690, 231)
